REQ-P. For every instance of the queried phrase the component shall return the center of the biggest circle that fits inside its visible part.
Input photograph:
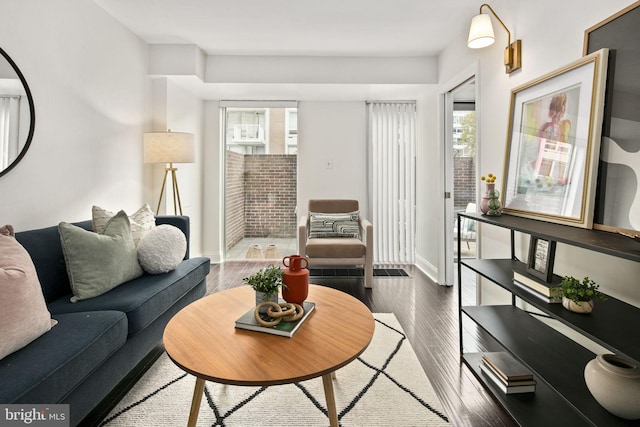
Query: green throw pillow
(98, 262)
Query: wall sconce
(169, 147)
(481, 35)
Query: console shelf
(557, 362)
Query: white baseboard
(427, 268)
(215, 257)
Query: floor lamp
(169, 147)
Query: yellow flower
(490, 178)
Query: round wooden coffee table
(203, 341)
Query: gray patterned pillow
(334, 224)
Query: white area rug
(385, 387)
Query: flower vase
(490, 204)
(295, 279)
(615, 384)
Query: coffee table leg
(195, 403)
(327, 382)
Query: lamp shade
(169, 147)
(481, 32)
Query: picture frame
(541, 257)
(553, 143)
(617, 204)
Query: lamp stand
(176, 193)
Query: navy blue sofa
(98, 341)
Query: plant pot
(262, 297)
(615, 384)
(584, 307)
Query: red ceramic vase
(295, 279)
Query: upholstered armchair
(335, 233)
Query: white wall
(428, 197)
(178, 110)
(550, 40)
(332, 133)
(88, 77)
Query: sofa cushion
(334, 224)
(50, 367)
(162, 249)
(335, 248)
(143, 299)
(97, 262)
(142, 221)
(23, 312)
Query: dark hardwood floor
(428, 313)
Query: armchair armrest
(366, 231)
(303, 233)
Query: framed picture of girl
(554, 143)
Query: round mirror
(17, 114)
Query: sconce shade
(481, 35)
(168, 147)
(481, 32)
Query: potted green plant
(266, 282)
(578, 296)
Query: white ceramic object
(584, 306)
(615, 383)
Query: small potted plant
(578, 296)
(266, 282)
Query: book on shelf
(508, 383)
(538, 285)
(507, 389)
(534, 293)
(506, 366)
(285, 329)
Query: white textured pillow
(141, 221)
(162, 249)
(23, 313)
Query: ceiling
(346, 28)
(299, 27)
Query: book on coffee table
(284, 329)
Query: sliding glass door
(261, 143)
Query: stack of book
(507, 374)
(284, 328)
(539, 288)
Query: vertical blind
(9, 128)
(391, 145)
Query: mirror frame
(32, 112)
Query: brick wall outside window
(260, 196)
(464, 187)
(234, 198)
